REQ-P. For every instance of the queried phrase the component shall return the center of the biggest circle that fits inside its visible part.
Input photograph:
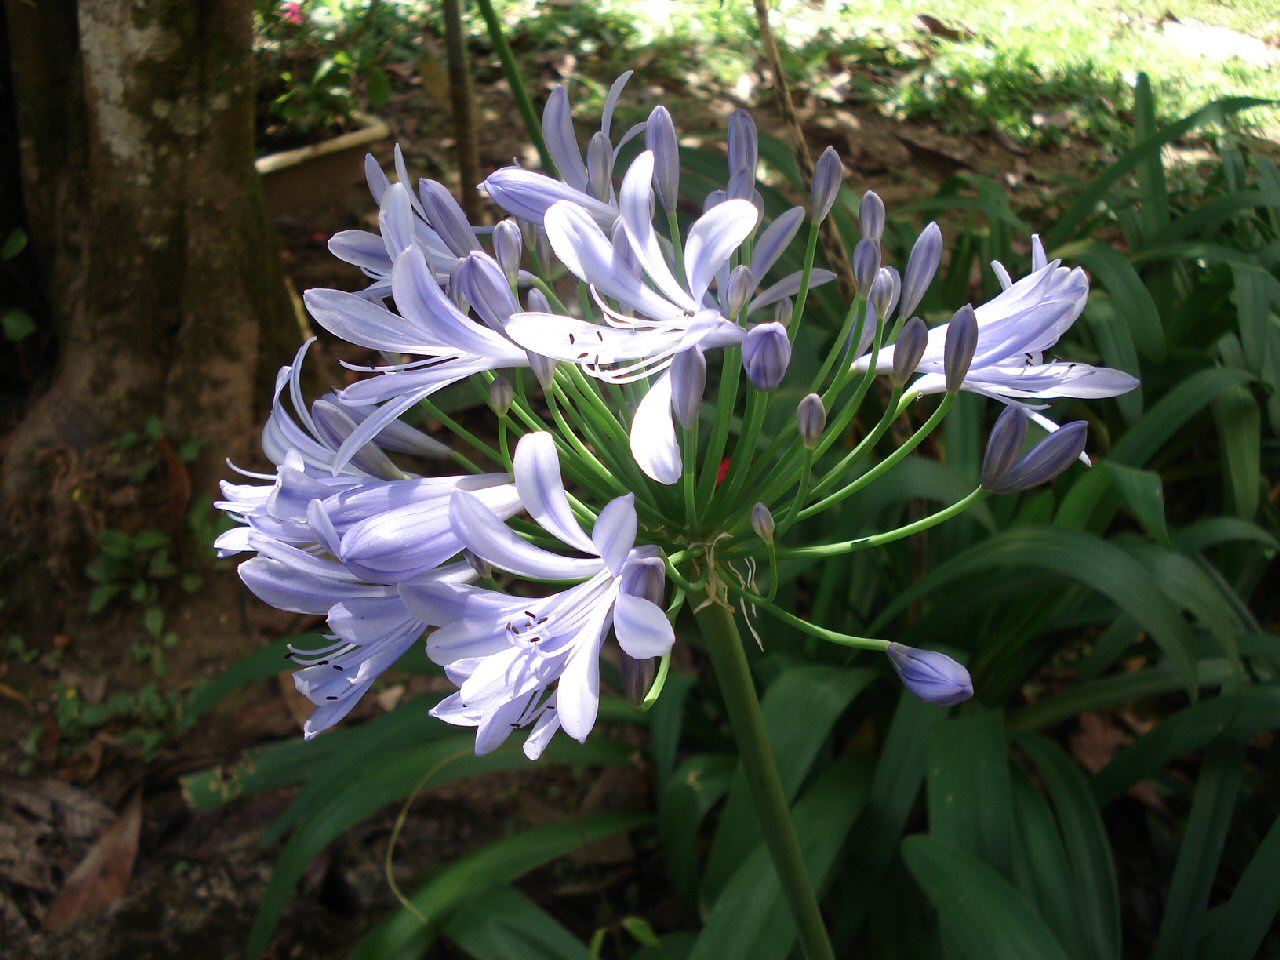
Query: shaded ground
(178, 884)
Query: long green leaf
(1197, 864)
(800, 708)
(970, 805)
(472, 877)
(1071, 220)
(1240, 431)
(1093, 874)
(750, 918)
(980, 910)
(1237, 927)
(1102, 566)
(264, 662)
(1249, 711)
(507, 925)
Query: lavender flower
(521, 662)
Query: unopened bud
(766, 354)
(908, 350)
(501, 395)
(543, 367)
(637, 677)
(961, 343)
(480, 281)
(827, 174)
(811, 418)
(871, 216)
(600, 166)
(688, 382)
(508, 245)
(660, 137)
(446, 218)
(762, 522)
(866, 263)
(921, 266)
(482, 567)
(1046, 460)
(537, 301)
(741, 285)
(884, 292)
(744, 144)
(1004, 445)
(783, 311)
(455, 289)
(933, 677)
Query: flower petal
(537, 473)
(712, 240)
(653, 434)
(486, 536)
(635, 202)
(641, 627)
(615, 532)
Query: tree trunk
(145, 215)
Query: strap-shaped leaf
(970, 805)
(982, 914)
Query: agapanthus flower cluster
(629, 340)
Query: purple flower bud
(688, 382)
(623, 252)
(1005, 443)
(1047, 459)
(783, 311)
(921, 266)
(908, 350)
(454, 288)
(646, 579)
(446, 218)
(508, 245)
(762, 522)
(931, 676)
(744, 144)
(714, 199)
(866, 263)
(537, 301)
(742, 186)
(600, 167)
(480, 281)
(637, 677)
(811, 418)
(871, 216)
(741, 285)
(766, 353)
(961, 343)
(827, 174)
(482, 567)
(884, 292)
(660, 137)
(544, 368)
(501, 395)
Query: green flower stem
(743, 451)
(677, 245)
(730, 371)
(885, 465)
(463, 462)
(857, 315)
(844, 639)
(896, 406)
(889, 536)
(585, 456)
(459, 430)
(723, 643)
(689, 455)
(810, 250)
(802, 492)
(504, 423)
(512, 72)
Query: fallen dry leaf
(103, 875)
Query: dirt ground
(100, 857)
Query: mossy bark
(135, 123)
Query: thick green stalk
(724, 644)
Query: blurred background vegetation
(1110, 792)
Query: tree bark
(145, 215)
